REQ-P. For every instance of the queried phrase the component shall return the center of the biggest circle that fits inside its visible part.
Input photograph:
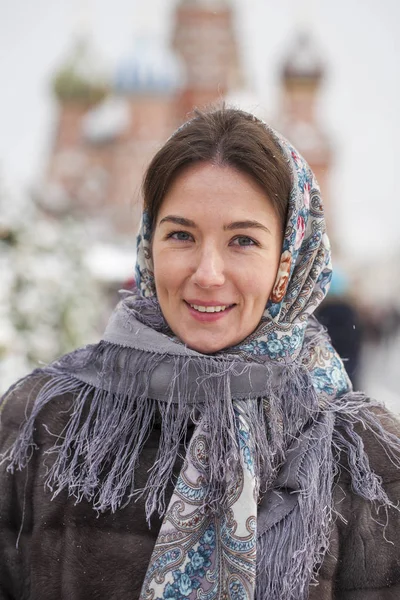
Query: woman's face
(216, 249)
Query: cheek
(168, 271)
(162, 278)
(256, 294)
(160, 268)
(259, 288)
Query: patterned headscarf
(302, 280)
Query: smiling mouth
(209, 309)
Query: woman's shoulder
(50, 385)
(381, 445)
(364, 538)
(21, 400)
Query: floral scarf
(211, 553)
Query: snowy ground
(380, 372)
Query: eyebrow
(178, 221)
(248, 224)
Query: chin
(207, 347)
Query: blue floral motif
(331, 379)
(185, 584)
(255, 347)
(275, 346)
(138, 275)
(181, 588)
(303, 178)
(169, 592)
(286, 245)
(313, 241)
(244, 439)
(273, 308)
(324, 279)
(291, 238)
(208, 538)
(248, 459)
(197, 560)
(237, 591)
(322, 380)
(296, 339)
(188, 578)
(146, 226)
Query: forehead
(211, 189)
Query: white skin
(216, 243)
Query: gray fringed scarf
(252, 509)
(266, 415)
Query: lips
(208, 311)
(207, 306)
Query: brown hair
(225, 137)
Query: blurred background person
(341, 318)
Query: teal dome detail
(149, 68)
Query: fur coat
(54, 548)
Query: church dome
(107, 120)
(149, 68)
(80, 78)
(303, 60)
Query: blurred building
(204, 38)
(110, 125)
(302, 75)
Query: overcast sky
(360, 103)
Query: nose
(209, 269)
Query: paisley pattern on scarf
(203, 553)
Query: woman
(210, 445)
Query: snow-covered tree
(49, 299)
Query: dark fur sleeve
(369, 551)
(53, 548)
(368, 565)
(15, 496)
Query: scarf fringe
(291, 552)
(288, 552)
(352, 410)
(112, 413)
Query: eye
(180, 236)
(243, 241)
